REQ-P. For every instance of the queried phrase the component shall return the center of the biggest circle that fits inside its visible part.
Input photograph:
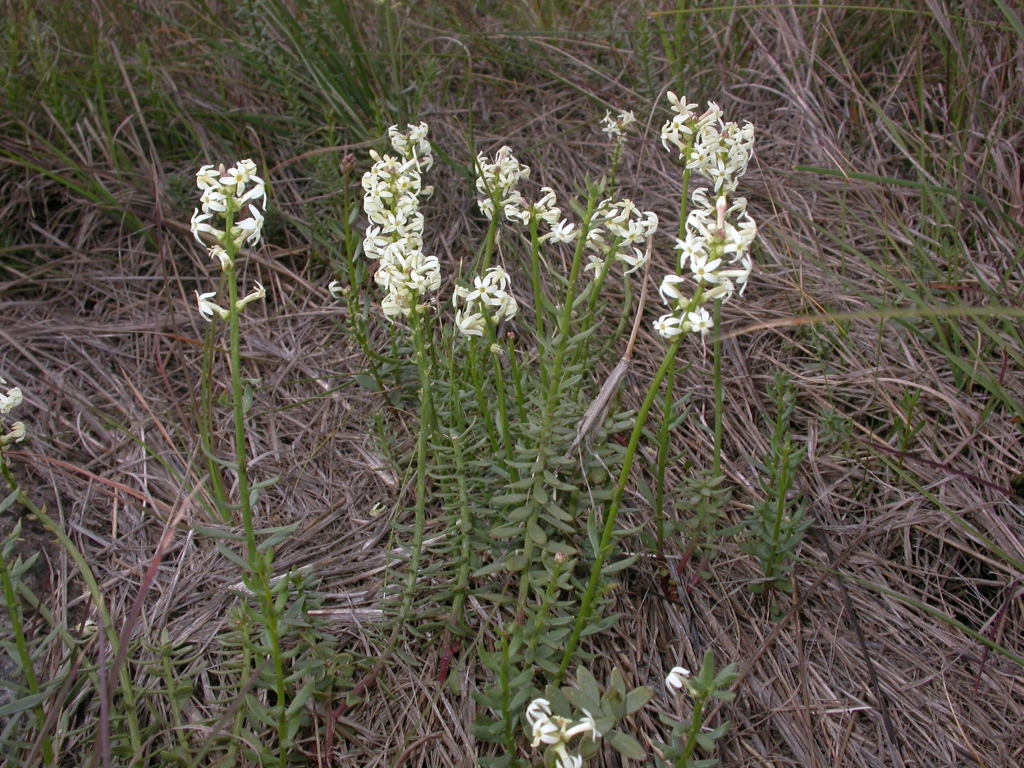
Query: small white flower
(250, 229)
(704, 270)
(208, 176)
(538, 709)
(214, 201)
(669, 290)
(208, 309)
(199, 224)
(668, 326)
(586, 725)
(15, 435)
(259, 293)
(11, 400)
(678, 678)
(564, 759)
(562, 231)
(336, 289)
(217, 252)
(700, 320)
(615, 126)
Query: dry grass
(98, 327)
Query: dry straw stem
(921, 287)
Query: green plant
(701, 688)
(774, 531)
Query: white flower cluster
(719, 232)
(9, 402)
(393, 188)
(715, 149)
(498, 182)
(557, 732)
(615, 127)
(627, 228)
(487, 300)
(226, 193)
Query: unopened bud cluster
(487, 301)
(8, 402)
(393, 188)
(228, 194)
(715, 249)
(556, 732)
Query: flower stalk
(613, 510)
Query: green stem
(517, 379)
(613, 510)
(237, 395)
(465, 526)
(270, 611)
(206, 424)
(615, 166)
(554, 387)
(126, 690)
(663, 440)
(13, 606)
(499, 383)
(538, 302)
(416, 320)
(492, 233)
(780, 508)
(478, 386)
(683, 198)
(719, 390)
(691, 737)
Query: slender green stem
(554, 385)
(206, 423)
(613, 510)
(780, 507)
(465, 523)
(417, 321)
(663, 450)
(478, 386)
(616, 156)
(517, 379)
(270, 612)
(14, 612)
(492, 233)
(127, 690)
(237, 396)
(506, 713)
(719, 389)
(171, 683)
(684, 196)
(691, 737)
(538, 301)
(542, 612)
(499, 383)
(595, 292)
